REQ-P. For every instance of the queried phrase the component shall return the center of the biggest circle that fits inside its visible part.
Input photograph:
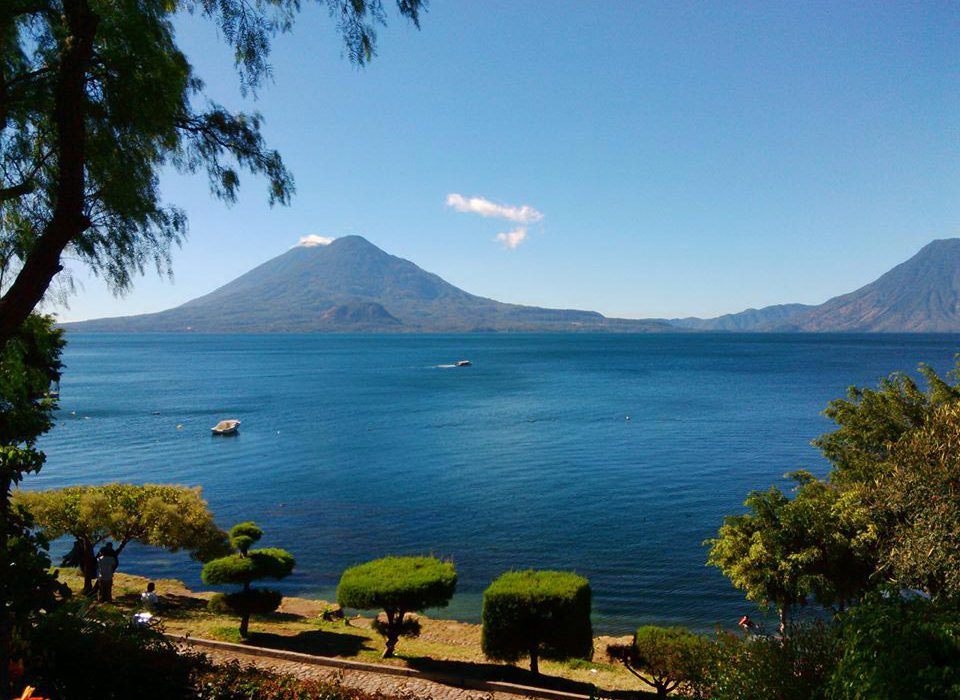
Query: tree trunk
(69, 220)
(394, 623)
(244, 625)
(88, 566)
(535, 660)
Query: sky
(641, 159)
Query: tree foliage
(96, 98)
(797, 666)
(157, 515)
(244, 567)
(871, 421)
(785, 551)
(398, 586)
(895, 649)
(537, 614)
(917, 502)
(29, 363)
(665, 658)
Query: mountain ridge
(920, 295)
(350, 285)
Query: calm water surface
(615, 456)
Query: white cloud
(512, 239)
(484, 207)
(313, 240)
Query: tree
(29, 363)
(785, 551)
(537, 614)
(244, 567)
(916, 502)
(157, 515)
(872, 420)
(398, 586)
(95, 98)
(665, 658)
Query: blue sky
(685, 158)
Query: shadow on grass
(469, 670)
(316, 642)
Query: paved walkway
(367, 681)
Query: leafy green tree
(398, 586)
(244, 567)
(537, 614)
(157, 515)
(665, 658)
(29, 363)
(786, 551)
(895, 649)
(872, 420)
(916, 502)
(96, 98)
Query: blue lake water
(614, 456)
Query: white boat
(464, 363)
(226, 427)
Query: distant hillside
(921, 295)
(748, 320)
(351, 285)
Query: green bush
(245, 567)
(795, 667)
(397, 585)
(899, 650)
(666, 658)
(90, 653)
(537, 614)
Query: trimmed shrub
(244, 567)
(397, 585)
(665, 658)
(537, 614)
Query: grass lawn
(443, 646)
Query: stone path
(370, 682)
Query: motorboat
(464, 363)
(226, 427)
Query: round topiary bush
(397, 585)
(537, 614)
(244, 567)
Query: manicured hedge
(537, 614)
(397, 585)
(403, 583)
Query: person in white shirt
(149, 597)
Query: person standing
(106, 564)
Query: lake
(611, 455)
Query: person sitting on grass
(149, 597)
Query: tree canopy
(96, 97)
(397, 585)
(917, 505)
(157, 515)
(537, 614)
